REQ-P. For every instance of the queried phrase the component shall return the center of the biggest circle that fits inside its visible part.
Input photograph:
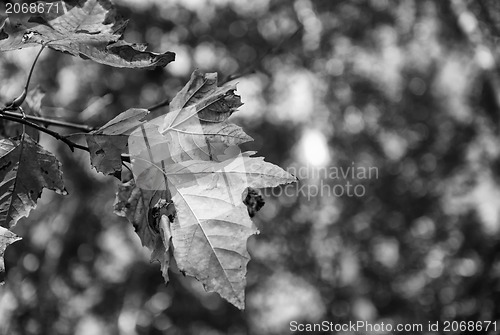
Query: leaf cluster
(186, 184)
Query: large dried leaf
(109, 142)
(25, 169)
(6, 238)
(212, 225)
(192, 154)
(86, 28)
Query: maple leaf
(6, 238)
(25, 169)
(212, 224)
(109, 142)
(87, 28)
(192, 154)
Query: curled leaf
(139, 206)
(91, 29)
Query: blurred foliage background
(409, 87)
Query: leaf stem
(33, 67)
(20, 99)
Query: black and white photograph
(263, 167)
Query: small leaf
(109, 142)
(87, 28)
(6, 238)
(253, 199)
(25, 169)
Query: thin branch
(15, 117)
(20, 99)
(72, 145)
(50, 122)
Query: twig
(49, 122)
(15, 117)
(72, 145)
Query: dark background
(411, 88)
